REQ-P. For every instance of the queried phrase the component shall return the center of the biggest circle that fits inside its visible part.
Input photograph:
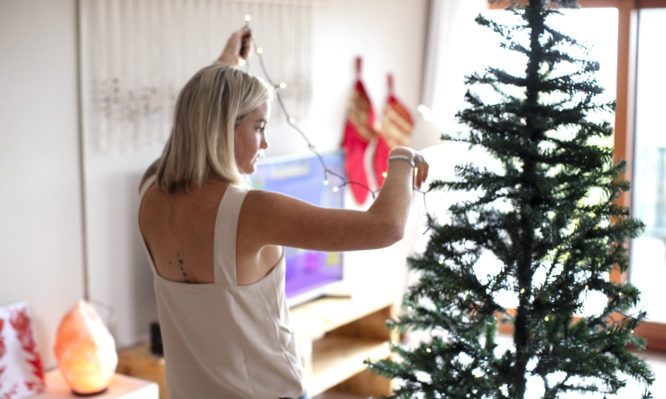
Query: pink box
(21, 373)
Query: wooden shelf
(345, 332)
(139, 362)
(313, 319)
(337, 358)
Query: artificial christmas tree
(549, 220)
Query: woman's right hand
(420, 169)
(238, 48)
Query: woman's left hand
(238, 48)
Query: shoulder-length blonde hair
(207, 112)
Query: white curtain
(137, 54)
(452, 52)
(453, 49)
(450, 55)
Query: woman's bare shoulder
(265, 197)
(195, 200)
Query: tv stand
(342, 333)
(335, 334)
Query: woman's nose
(264, 143)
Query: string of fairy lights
(291, 122)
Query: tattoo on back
(180, 264)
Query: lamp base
(89, 394)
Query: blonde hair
(207, 112)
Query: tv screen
(309, 273)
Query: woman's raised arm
(269, 218)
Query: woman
(216, 248)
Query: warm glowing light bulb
(336, 189)
(248, 18)
(546, 318)
(384, 174)
(283, 85)
(260, 50)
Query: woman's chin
(248, 170)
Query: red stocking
(396, 130)
(358, 133)
(380, 159)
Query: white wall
(39, 134)
(388, 34)
(40, 199)
(120, 276)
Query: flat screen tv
(309, 273)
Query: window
(648, 252)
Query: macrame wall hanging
(137, 54)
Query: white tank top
(223, 340)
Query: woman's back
(179, 228)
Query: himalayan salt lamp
(85, 351)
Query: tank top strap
(226, 229)
(146, 185)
